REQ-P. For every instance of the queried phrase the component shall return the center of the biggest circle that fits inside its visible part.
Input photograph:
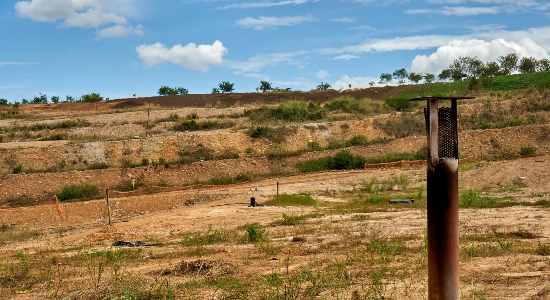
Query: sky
(120, 47)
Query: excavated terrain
(504, 248)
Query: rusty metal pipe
(442, 197)
(443, 248)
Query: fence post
(277, 190)
(108, 206)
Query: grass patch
(365, 107)
(192, 125)
(79, 192)
(292, 200)
(290, 219)
(403, 125)
(228, 179)
(12, 234)
(98, 166)
(212, 236)
(276, 135)
(255, 234)
(342, 160)
(51, 126)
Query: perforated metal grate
(446, 138)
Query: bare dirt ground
(197, 243)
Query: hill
(181, 172)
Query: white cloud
(344, 20)
(492, 7)
(299, 82)
(265, 22)
(119, 31)
(79, 13)
(356, 82)
(540, 36)
(345, 57)
(15, 63)
(264, 4)
(255, 64)
(321, 74)
(458, 11)
(394, 44)
(189, 56)
(485, 51)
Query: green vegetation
(292, 200)
(228, 179)
(92, 97)
(291, 219)
(276, 135)
(79, 192)
(192, 125)
(12, 234)
(167, 91)
(210, 237)
(255, 233)
(403, 125)
(342, 160)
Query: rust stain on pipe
(442, 197)
(443, 248)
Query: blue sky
(120, 47)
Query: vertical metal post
(442, 197)
(108, 206)
(277, 190)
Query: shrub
(79, 192)
(287, 111)
(401, 101)
(276, 135)
(98, 166)
(192, 125)
(528, 151)
(344, 160)
(357, 140)
(255, 234)
(93, 97)
(17, 169)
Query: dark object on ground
(407, 200)
(131, 244)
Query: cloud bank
(190, 56)
(271, 22)
(485, 51)
(78, 13)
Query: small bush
(17, 169)
(98, 166)
(528, 151)
(342, 160)
(80, 192)
(256, 234)
(192, 125)
(357, 140)
(276, 135)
